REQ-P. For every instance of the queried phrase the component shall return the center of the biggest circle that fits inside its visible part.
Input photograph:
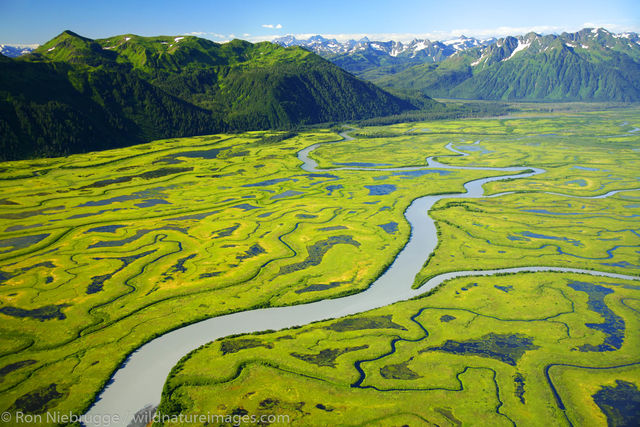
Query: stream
(138, 383)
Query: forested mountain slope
(74, 94)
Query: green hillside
(590, 65)
(74, 94)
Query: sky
(35, 22)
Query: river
(139, 381)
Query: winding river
(139, 381)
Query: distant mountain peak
(15, 50)
(592, 64)
(415, 51)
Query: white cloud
(21, 45)
(507, 31)
(435, 35)
(614, 28)
(205, 34)
(482, 33)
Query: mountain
(372, 59)
(13, 51)
(588, 65)
(75, 94)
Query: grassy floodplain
(474, 353)
(518, 230)
(584, 155)
(101, 252)
(496, 350)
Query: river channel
(139, 381)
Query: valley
(321, 214)
(102, 252)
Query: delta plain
(104, 251)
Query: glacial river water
(139, 381)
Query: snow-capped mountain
(370, 59)
(16, 50)
(330, 47)
(464, 43)
(584, 43)
(590, 64)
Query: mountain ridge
(320, 44)
(591, 64)
(588, 65)
(370, 59)
(126, 89)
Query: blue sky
(30, 21)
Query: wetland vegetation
(486, 365)
(101, 252)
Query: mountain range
(592, 64)
(589, 65)
(14, 51)
(75, 94)
(370, 59)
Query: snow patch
(482, 58)
(420, 46)
(460, 42)
(584, 46)
(178, 39)
(50, 49)
(127, 39)
(521, 47)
